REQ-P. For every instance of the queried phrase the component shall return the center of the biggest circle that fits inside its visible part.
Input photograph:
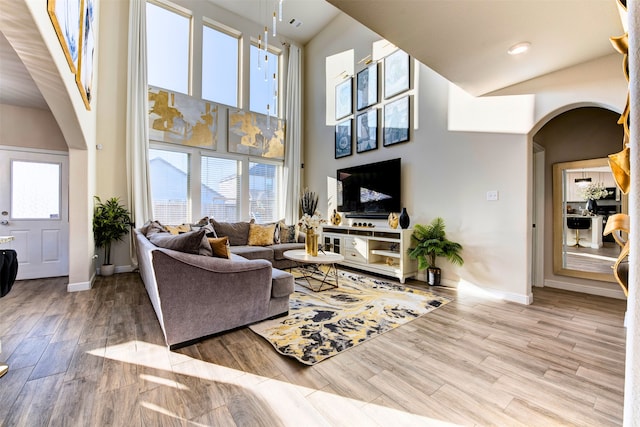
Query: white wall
(30, 128)
(446, 173)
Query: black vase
(404, 219)
(592, 206)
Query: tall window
(220, 188)
(264, 182)
(168, 44)
(220, 65)
(169, 171)
(264, 82)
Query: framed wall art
(182, 119)
(84, 76)
(396, 121)
(66, 17)
(396, 73)
(343, 139)
(255, 134)
(344, 99)
(367, 131)
(367, 87)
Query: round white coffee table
(309, 267)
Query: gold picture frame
(66, 17)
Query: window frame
(231, 32)
(280, 60)
(185, 13)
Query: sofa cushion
(282, 283)
(279, 250)
(178, 229)
(189, 242)
(287, 233)
(238, 232)
(261, 234)
(220, 246)
(253, 252)
(151, 227)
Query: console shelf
(379, 250)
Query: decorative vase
(433, 276)
(393, 220)
(107, 269)
(336, 219)
(404, 219)
(592, 206)
(311, 243)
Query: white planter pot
(107, 269)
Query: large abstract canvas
(256, 135)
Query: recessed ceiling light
(519, 48)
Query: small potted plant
(111, 222)
(431, 242)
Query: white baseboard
(119, 269)
(506, 296)
(585, 289)
(81, 286)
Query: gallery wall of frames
(367, 118)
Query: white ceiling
(463, 40)
(466, 41)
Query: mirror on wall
(579, 247)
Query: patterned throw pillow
(178, 229)
(220, 247)
(287, 233)
(261, 235)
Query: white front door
(34, 209)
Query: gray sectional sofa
(196, 295)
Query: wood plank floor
(97, 358)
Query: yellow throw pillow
(220, 247)
(177, 229)
(261, 235)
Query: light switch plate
(492, 195)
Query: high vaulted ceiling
(465, 41)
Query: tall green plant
(308, 202)
(431, 242)
(111, 222)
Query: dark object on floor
(8, 270)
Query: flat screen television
(369, 191)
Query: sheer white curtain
(138, 183)
(293, 135)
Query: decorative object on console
(336, 219)
(393, 220)
(591, 193)
(404, 219)
(111, 222)
(431, 242)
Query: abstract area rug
(322, 324)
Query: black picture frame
(367, 87)
(396, 74)
(344, 98)
(367, 131)
(396, 121)
(343, 139)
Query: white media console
(379, 250)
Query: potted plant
(111, 222)
(431, 242)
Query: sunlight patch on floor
(298, 405)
